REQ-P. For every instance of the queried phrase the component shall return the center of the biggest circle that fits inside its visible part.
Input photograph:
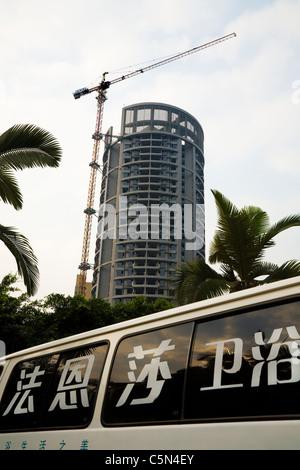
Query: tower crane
(101, 90)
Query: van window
(52, 391)
(246, 365)
(147, 378)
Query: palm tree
(23, 146)
(239, 244)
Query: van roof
(173, 312)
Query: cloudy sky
(245, 92)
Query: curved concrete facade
(151, 202)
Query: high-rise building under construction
(151, 215)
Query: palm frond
(24, 146)
(258, 220)
(226, 210)
(283, 224)
(263, 269)
(196, 280)
(228, 273)
(26, 260)
(211, 288)
(9, 189)
(285, 271)
(235, 241)
(32, 145)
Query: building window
(141, 128)
(157, 396)
(160, 115)
(190, 126)
(144, 114)
(129, 116)
(53, 381)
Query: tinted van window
(246, 365)
(147, 378)
(56, 390)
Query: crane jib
(104, 85)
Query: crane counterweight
(80, 92)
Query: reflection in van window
(147, 378)
(52, 391)
(246, 365)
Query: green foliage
(25, 323)
(23, 146)
(239, 244)
(25, 258)
(14, 315)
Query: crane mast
(90, 211)
(101, 90)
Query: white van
(218, 374)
